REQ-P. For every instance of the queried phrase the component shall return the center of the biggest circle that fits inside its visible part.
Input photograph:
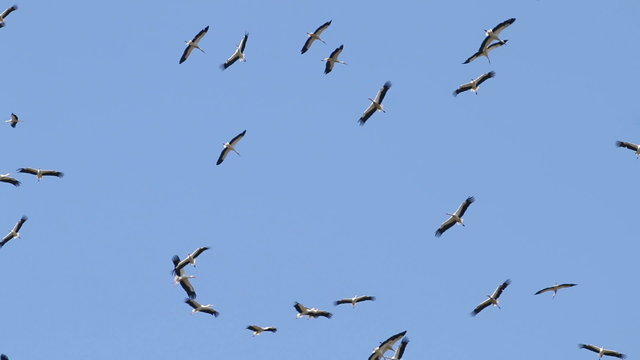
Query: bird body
(230, 146)
(257, 330)
(197, 307)
(14, 233)
(354, 300)
(193, 44)
(182, 278)
(310, 312)
(314, 36)
(602, 351)
(13, 121)
(456, 217)
(238, 54)
(332, 59)
(484, 50)
(39, 173)
(555, 288)
(492, 34)
(376, 105)
(190, 259)
(491, 299)
(474, 84)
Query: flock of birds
(489, 43)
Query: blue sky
(318, 208)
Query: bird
(376, 105)
(474, 84)
(197, 307)
(378, 352)
(8, 179)
(13, 121)
(183, 279)
(39, 173)
(230, 146)
(310, 312)
(6, 13)
(400, 350)
(354, 300)
(629, 146)
(190, 259)
(333, 58)
(193, 44)
(238, 54)
(491, 299)
(455, 217)
(602, 351)
(492, 34)
(484, 50)
(314, 36)
(257, 330)
(15, 232)
(555, 288)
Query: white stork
(238, 54)
(15, 232)
(39, 173)
(376, 105)
(378, 352)
(310, 312)
(332, 59)
(554, 288)
(491, 299)
(492, 34)
(257, 330)
(6, 13)
(183, 279)
(13, 121)
(230, 146)
(354, 300)
(629, 146)
(193, 44)
(8, 179)
(197, 307)
(400, 350)
(315, 36)
(190, 259)
(455, 217)
(602, 351)
(484, 50)
(474, 84)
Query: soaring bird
(230, 146)
(314, 36)
(13, 121)
(376, 105)
(190, 259)
(400, 350)
(555, 288)
(332, 59)
(238, 54)
(8, 179)
(257, 330)
(602, 351)
(492, 34)
(310, 312)
(15, 232)
(354, 300)
(484, 50)
(39, 173)
(6, 13)
(455, 217)
(193, 44)
(183, 279)
(491, 299)
(197, 307)
(474, 84)
(629, 146)
(378, 352)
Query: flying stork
(378, 352)
(13, 121)
(555, 288)
(15, 232)
(629, 146)
(39, 173)
(333, 58)
(491, 299)
(238, 54)
(400, 350)
(8, 179)
(310, 312)
(193, 44)
(474, 84)
(492, 34)
(257, 330)
(314, 36)
(354, 300)
(455, 217)
(183, 279)
(190, 259)
(602, 351)
(197, 307)
(6, 13)
(484, 50)
(230, 146)
(376, 105)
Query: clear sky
(317, 208)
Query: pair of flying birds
(39, 173)
(194, 43)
